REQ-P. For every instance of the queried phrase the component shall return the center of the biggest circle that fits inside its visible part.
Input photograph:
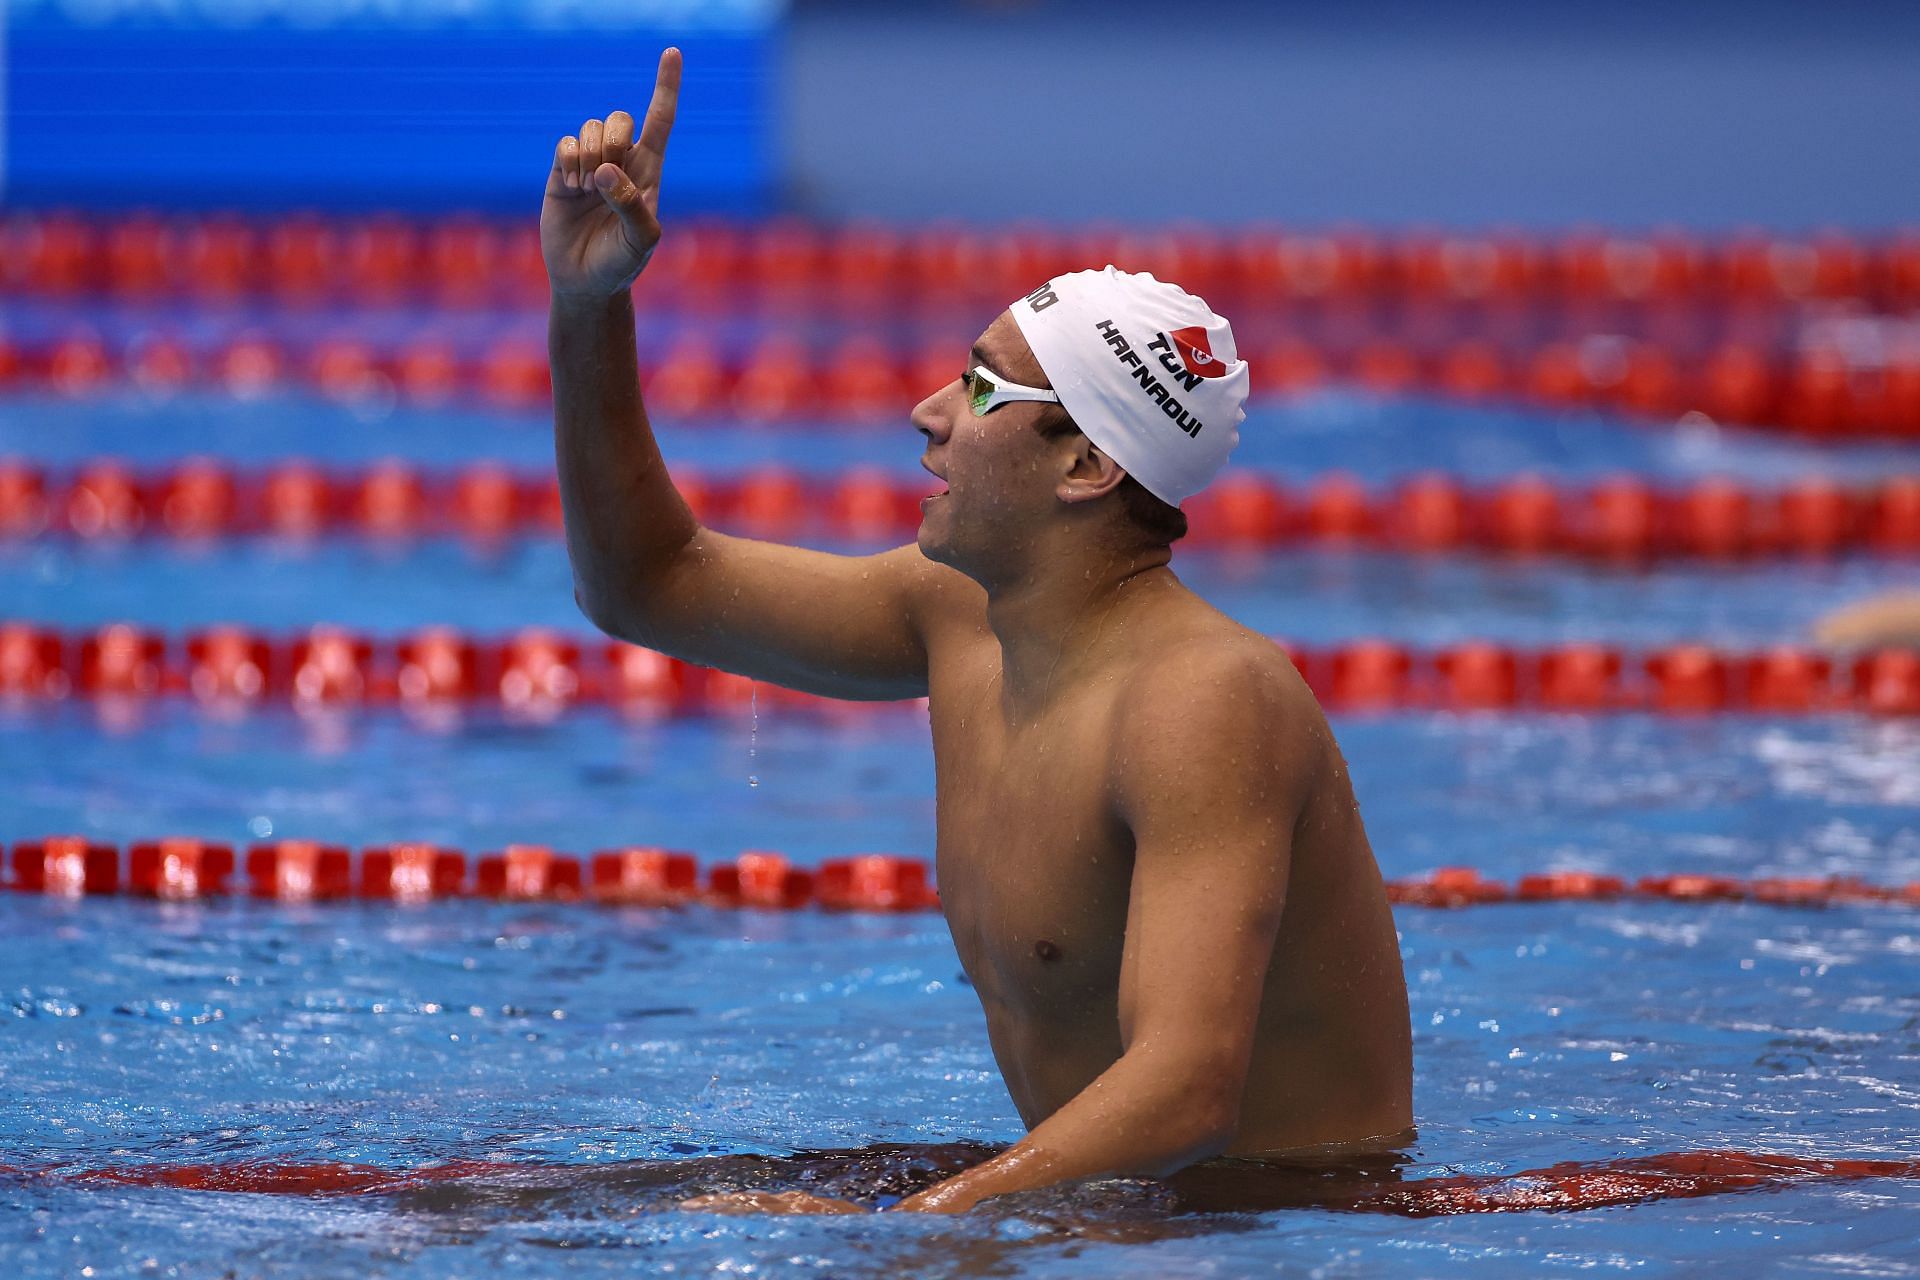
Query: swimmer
(1148, 848)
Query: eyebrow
(979, 357)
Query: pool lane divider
(1614, 519)
(437, 673)
(1717, 326)
(1824, 393)
(1561, 1188)
(182, 868)
(465, 262)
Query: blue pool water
(572, 1042)
(1381, 440)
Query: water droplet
(753, 731)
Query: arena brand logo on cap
(1197, 353)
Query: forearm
(1892, 619)
(624, 519)
(1141, 1117)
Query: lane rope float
(1696, 304)
(1826, 394)
(1615, 519)
(183, 868)
(467, 262)
(537, 674)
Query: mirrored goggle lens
(980, 389)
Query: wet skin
(1148, 847)
(1036, 864)
(1035, 871)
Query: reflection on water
(474, 1203)
(572, 1051)
(884, 1173)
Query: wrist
(590, 300)
(956, 1195)
(588, 296)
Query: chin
(932, 547)
(970, 549)
(941, 550)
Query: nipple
(1046, 951)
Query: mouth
(941, 492)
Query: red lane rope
(1479, 289)
(1573, 1185)
(180, 868)
(537, 674)
(467, 261)
(1821, 392)
(268, 1177)
(1619, 518)
(1565, 1187)
(184, 868)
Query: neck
(1049, 618)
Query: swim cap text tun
(1147, 371)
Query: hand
(769, 1202)
(951, 1196)
(600, 220)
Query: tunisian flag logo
(1197, 353)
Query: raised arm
(644, 569)
(1206, 775)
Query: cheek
(989, 457)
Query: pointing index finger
(666, 99)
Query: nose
(933, 417)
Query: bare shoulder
(1222, 702)
(1218, 676)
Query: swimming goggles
(986, 391)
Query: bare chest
(1034, 867)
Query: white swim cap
(1148, 372)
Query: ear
(1090, 473)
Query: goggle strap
(1005, 392)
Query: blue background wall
(1389, 111)
(357, 109)
(1467, 112)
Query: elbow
(626, 607)
(625, 601)
(598, 610)
(615, 617)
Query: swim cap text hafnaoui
(1147, 371)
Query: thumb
(641, 230)
(617, 189)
